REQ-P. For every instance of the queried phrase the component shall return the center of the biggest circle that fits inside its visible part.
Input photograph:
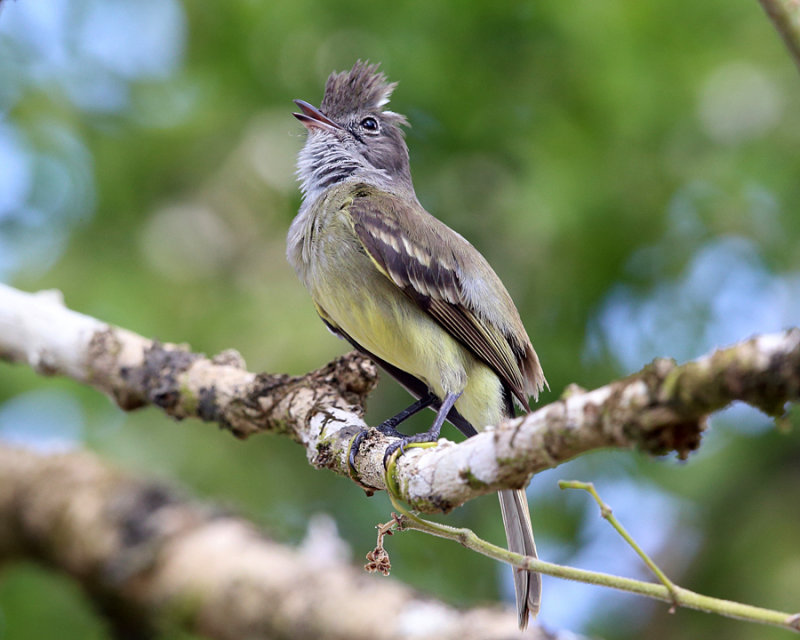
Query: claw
(387, 454)
(354, 447)
(386, 428)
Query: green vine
(667, 591)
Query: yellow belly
(353, 295)
(384, 321)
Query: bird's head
(351, 134)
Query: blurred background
(629, 169)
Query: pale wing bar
(433, 283)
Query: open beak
(313, 118)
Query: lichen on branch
(660, 409)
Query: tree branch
(785, 16)
(153, 559)
(660, 409)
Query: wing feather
(421, 256)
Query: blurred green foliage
(592, 151)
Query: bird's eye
(369, 124)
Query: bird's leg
(432, 434)
(388, 427)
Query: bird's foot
(387, 428)
(404, 441)
(431, 435)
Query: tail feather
(519, 533)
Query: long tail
(519, 533)
(513, 504)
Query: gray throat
(324, 162)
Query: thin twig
(785, 16)
(675, 595)
(608, 514)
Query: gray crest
(361, 89)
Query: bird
(404, 288)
